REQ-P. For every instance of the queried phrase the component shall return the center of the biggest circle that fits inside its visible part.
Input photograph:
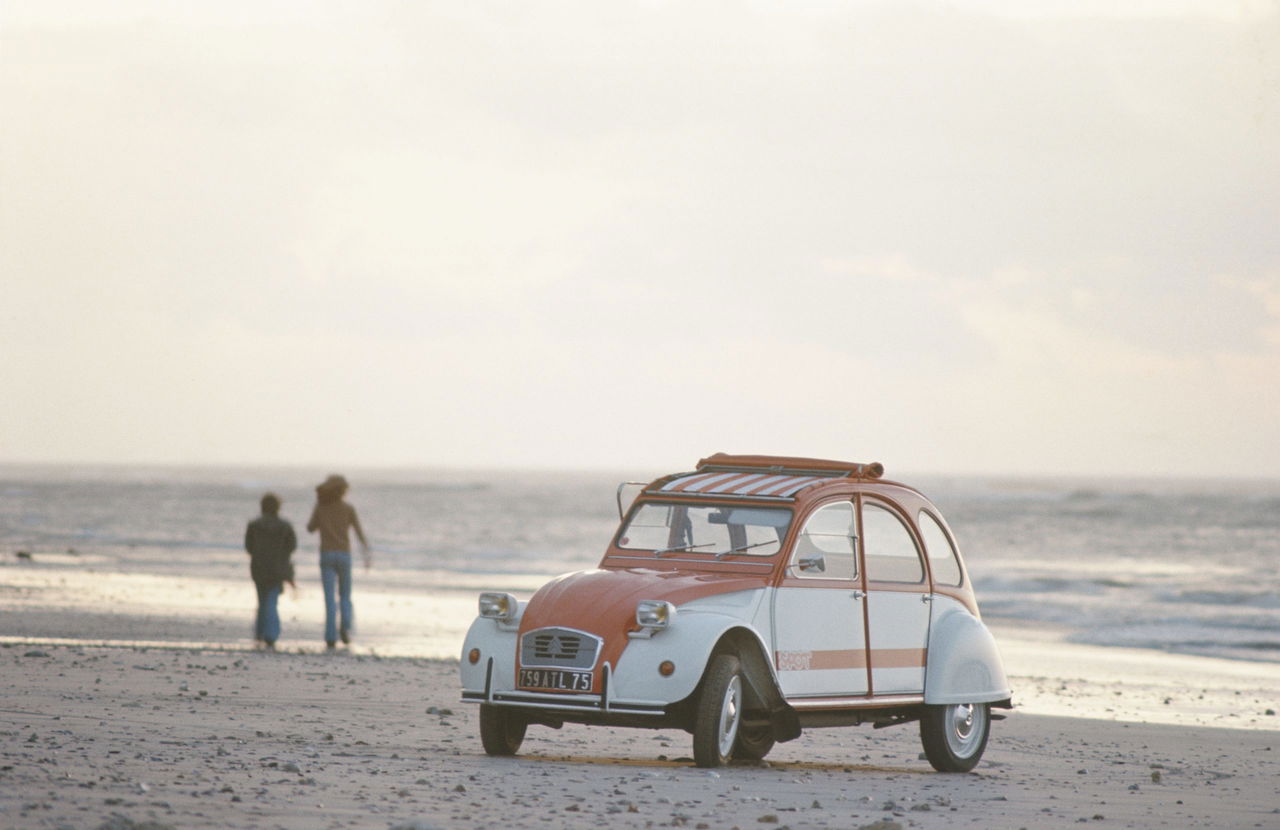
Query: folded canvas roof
(760, 476)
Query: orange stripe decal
(881, 658)
(897, 658)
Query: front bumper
(603, 704)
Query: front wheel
(955, 735)
(501, 730)
(719, 713)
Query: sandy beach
(97, 736)
(127, 729)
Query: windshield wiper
(722, 554)
(681, 548)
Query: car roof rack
(791, 465)
(769, 477)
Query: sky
(1021, 237)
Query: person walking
(334, 518)
(270, 542)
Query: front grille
(559, 648)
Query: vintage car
(744, 601)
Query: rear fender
(964, 664)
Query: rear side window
(942, 555)
(891, 551)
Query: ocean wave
(1188, 637)
(1247, 599)
(993, 586)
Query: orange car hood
(603, 602)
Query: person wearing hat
(270, 541)
(334, 518)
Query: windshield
(714, 528)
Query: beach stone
(414, 825)
(882, 824)
(36, 653)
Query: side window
(825, 548)
(891, 552)
(942, 556)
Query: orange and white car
(743, 602)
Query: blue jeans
(267, 625)
(335, 573)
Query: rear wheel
(955, 735)
(719, 714)
(501, 730)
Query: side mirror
(813, 564)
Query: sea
(1187, 566)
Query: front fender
(688, 644)
(964, 664)
(495, 641)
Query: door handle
(858, 594)
(926, 597)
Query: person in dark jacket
(334, 518)
(270, 541)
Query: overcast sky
(970, 236)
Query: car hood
(603, 602)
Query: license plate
(555, 680)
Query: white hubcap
(730, 715)
(966, 724)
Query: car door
(898, 600)
(819, 633)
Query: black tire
(719, 713)
(501, 730)
(955, 735)
(754, 742)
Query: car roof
(768, 478)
